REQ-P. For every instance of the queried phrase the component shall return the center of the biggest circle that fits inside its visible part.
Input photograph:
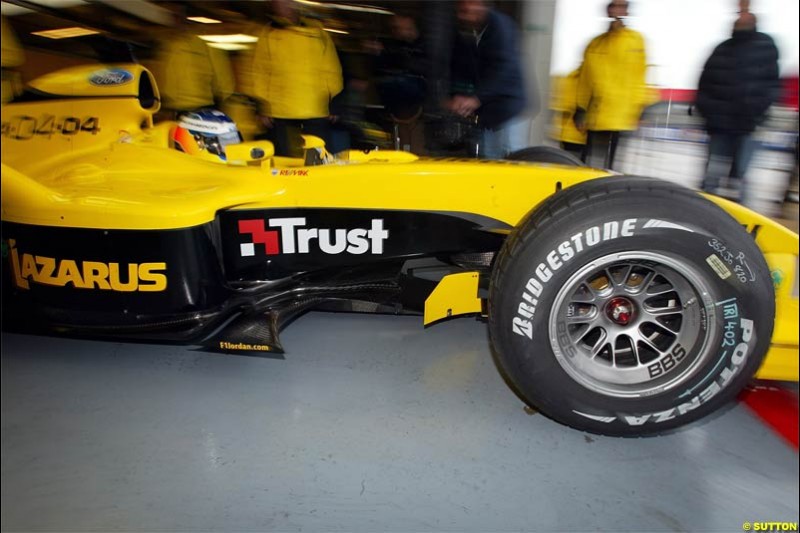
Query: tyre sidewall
(540, 378)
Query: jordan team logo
(291, 236)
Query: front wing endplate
(455, 295)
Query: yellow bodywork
(116, 172)
(113, 185)
(105, 176)
(780, 247)
(456, 294)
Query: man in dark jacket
(400, 68)
(486, 78)
(738, 85)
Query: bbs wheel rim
(633, 324)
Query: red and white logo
(292, 237)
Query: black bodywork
(214, 295)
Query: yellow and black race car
(615, 304)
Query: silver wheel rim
(632, 324)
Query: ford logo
(112, 76)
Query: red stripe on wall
(677, 95)
(776, 407)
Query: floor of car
(370, 423)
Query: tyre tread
(549, 210)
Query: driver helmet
(205, 133)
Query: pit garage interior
(368, 423)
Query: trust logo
(293, 237)
(269, 238)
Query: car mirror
(249, 153)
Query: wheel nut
(620, 310)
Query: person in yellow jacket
(295, 74)
(611, 87)
(12, 57)
(190, 74)
(563, 105)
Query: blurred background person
(486, 78)
(358, 121)
(190, 74)
(611, 91)
(348, 108)
(110, 49)
(12, 58)
(400, 69)
(295, 74)
(563, 104)
(738, 85)
(791, 195)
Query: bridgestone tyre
(629, 306)
(545, 154)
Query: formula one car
(618, 305)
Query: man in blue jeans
(486, 77)
(729, 156)
(738, 85)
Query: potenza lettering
(738, 352)
(555, 259)
(119, 277)
(737, 359)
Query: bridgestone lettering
(555, 259)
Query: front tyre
(546, 154)
(629, 306)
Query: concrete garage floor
(370, 424)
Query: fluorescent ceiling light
(65, 33)
(9, 10)
(12, 10)
(204, 20)
(233, 38)
(58, 4)
(230, 46)
(346, 7)
(337, 31)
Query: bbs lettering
(655, 369)
(667, 363)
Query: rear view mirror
(249, 153)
